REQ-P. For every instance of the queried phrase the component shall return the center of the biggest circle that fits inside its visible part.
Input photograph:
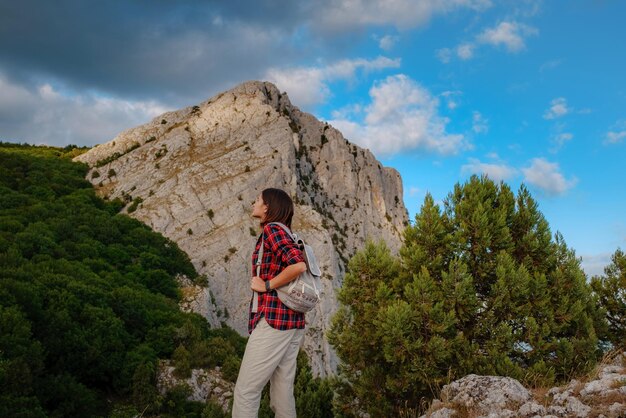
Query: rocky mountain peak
(193, 173)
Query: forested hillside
(89, 302)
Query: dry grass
(577, 388)
(600, 404)
(619, 383)
(425, 407)
(408, 412)
(540, 395)
(462, 411)
(609, 358)
(189, 293)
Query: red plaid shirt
(279, 251)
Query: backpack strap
(255, 294)
(293, 236)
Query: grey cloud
(182, 50)
(45, 116)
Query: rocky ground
(601, 394)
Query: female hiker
(276, 331)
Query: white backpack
(302, 293)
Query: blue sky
(525, 91)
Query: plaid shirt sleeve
(279, 251)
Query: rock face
(192, 175)
(602, 395)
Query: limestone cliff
(192, 175)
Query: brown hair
(279, 206)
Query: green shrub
(182, 362)
(88, 299)
(135, 204)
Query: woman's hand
(285, 276)
(257, 284)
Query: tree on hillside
(480, 287)
(611, 291)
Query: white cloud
(509, 34)
(615, 137)
(547, 176)
(527, 8)
(558, 108)
(479, 123)
(616, 134)
(348, 111)
(308, 86)
(451, 98)
(414, 191)
(496, 172)
(387, 42)
(46, 116)
(444, 55)
(403, 14)
(549, 65)
(562, 138)
(465, 51)
(594, 264)
(402, 116)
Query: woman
(276, 331)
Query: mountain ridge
(191, 174)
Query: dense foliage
(480, 287)
(88, 298)
(611, 291)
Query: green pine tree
(480, 287)
(611, 293)
(354, 335)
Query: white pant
(270, 355)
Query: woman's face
(259, 208)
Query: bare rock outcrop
(602, 395)
(487, 393)
(192, 175)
